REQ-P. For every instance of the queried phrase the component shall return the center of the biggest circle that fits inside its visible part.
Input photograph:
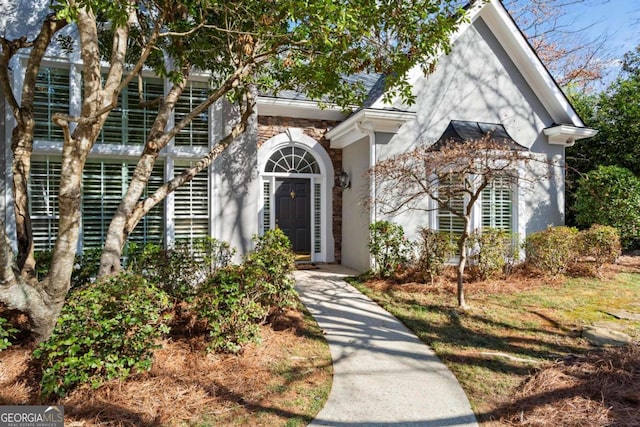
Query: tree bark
(22, 135)
(42, 301)
(462, 250)
(24, 294)
(22, 147)
(117, 233)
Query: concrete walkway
(383, 374)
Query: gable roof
(517, 47)
(529, 63)
(524, 57)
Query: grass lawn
(513, 328)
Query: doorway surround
(293, 155)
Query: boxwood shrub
(553, 250)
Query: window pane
(104, 185)
(448, 222)
(192, 207)
(150, 229)
(43, 189)
(130, 122)
(195, 133)
(266, 212)
(51, 96)
(497, 204)
(292, 160)
(317, 222)
(142, 109)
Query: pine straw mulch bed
(187, 386)
(599, 389)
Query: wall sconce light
(345, 181)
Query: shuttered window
(51, 96)
(317, 223)
(497, 204)
(191, 211)
(130, 122)
(266, 210)
(43, 189)
(448, 222)
(195, 133)
(104, 185)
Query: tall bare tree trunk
(117, 233)
(462, 263)
(22, 135)
(22, 147)
(42, 301)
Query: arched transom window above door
(292, 160)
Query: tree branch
(144, 206)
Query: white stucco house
(285, 171)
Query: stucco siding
(478, 81)
(235, 191)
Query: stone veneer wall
(270, 126)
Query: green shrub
(434, 250)
(601, 242)
(235, 300)
(610, 195)
(215, 253)
(493, 252)
(43, 262)
(106, 330)
(228, 310)
(388, 246)
(553, 250)
(7, 333)
(269, 270)
(181, 269)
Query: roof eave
(514, 42)
(297, 108)
(351, 130)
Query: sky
(618, 19)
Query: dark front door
(293, 212)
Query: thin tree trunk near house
(42, 301)
(462, 263)
(22, 134)
(22, 147)
(462, 249)
(117, 233)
